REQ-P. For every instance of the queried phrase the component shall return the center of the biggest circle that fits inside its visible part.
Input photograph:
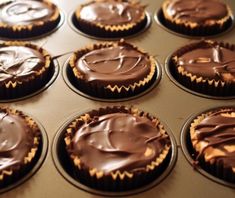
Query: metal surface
(55, 105)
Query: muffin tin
(58, 103)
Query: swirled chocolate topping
(17, 62)
(196, 11)
(117, 65)
(211, 61)
(218, 131)
(24, 12)
(16, 140)
(118, 141)
(111, 12)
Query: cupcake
(110, 18)
(27, 18)
(112, 70)
(117, 148)
(213, 138)
(24, 69)
(20, 139)
(197, 17)
(207, 67)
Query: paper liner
(11, 174)
(210, 27)
(212, 166)
(198, 83)
(109, 31)
(118, 180)
(24, 86)
(109, 91)
(37, 28)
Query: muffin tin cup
(70, 81)
(206, 170)
(65, 167)
(32, 89)
(181, 31)
(29, 171)
(39, 32)
(108, 36)
(171, 72)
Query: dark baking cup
(70, 80)
(34, 89)
(189, 152)
(65, 167)
(180, 30)
(37, 33)
(95, 33)
(34, 165)
(171, 71)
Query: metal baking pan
(173, 105)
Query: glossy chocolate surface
(218, 131)
(111, 12)
(17, 62)
(24, 12)
(16, 140)
(196, 11)
(211, 61)
(118, 141)
(117, 65)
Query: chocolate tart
(206, 67)
(110, 19)
(116, 148)
(213, 139)
(20, 140)
(197, 17)
(27, 18)
(24, 69)
(112, 70)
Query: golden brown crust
(195, 81)
(15, 170)
(24, 84)
(36, 28)
(206, 150)
(115, 89)
(115, 175)
(109, 30)
(39, 73)
(192, 25)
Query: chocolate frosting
(196, 11)
(118, 141)
(117, 65)
(17, 62)
(24, 12)
(218, 131)
(211, 61)
(16, 140)
(111, 12)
